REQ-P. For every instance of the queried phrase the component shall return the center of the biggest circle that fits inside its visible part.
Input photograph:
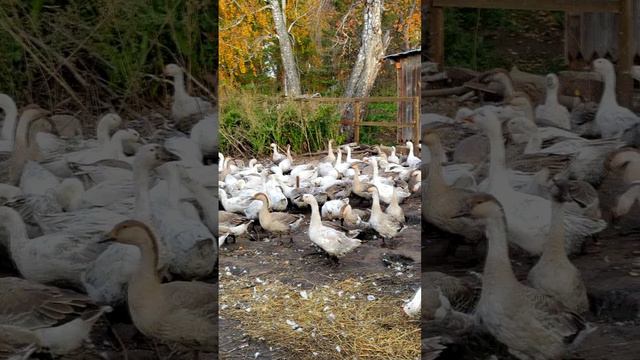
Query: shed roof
(402, 55)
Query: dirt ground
(266, 260)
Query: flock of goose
(116, 220)
(345, 197)
(525, 178)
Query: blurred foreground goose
(334, 242)
(531, 324)
(184, 105)
(54, 319)
(611, 118)
(554, 274)
(8, 132)
(445, 200)
(528, 217)
(182, 312)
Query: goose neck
(316, 221)
(497, 268)
(497, 171)
(114, 148)
(375, 204)
(554, 246)
(142, 182)
(146, 276)
(436, 178)
(179, 91)
(15, 227)
(551, 97)
(609, 93)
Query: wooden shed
(407, 64)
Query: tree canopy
(325, 36)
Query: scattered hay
(341, 319)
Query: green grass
(89, 55)
(249, 122)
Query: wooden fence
(624, 9)
(359, 107)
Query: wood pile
(465, 84)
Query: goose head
(621, 158)
(153, 155)
(552, 82)
(486, 120)
(172, 70)
(603, 67)
(480, 205)
(110, 121)
(308, 199)
(262, 197)
(132, 232)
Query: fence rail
(358, 122)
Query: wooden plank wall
(408, 85)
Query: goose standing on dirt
(611, 118)
(552, 112)
(531, 324)
(185, 105)
(279, 223)
(182, 312)
(384, 224)
(334, 242)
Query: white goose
(185, 105)
(528, 218)
(385, 190)
(332, 241)
(412, 160)
(611, 118)
(552, 112)
(8, 133)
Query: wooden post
(356, 121)
(435, 21)
(416, 124)
(400, 91)
(625, 56)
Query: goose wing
(32, 305)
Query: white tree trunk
(291, 75)
(369, 59)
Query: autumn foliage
(325, 35)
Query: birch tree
(372, 49)
(369, 59)
(290, 68)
